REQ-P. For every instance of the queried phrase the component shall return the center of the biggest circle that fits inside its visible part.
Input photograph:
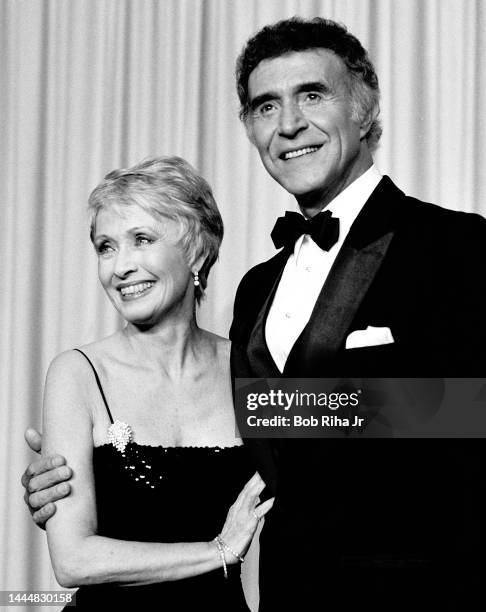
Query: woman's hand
(243, 517)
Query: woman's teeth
(135, 290)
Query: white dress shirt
(307, 269)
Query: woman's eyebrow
(98, 237)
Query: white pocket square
(371, 336)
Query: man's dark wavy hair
(297, 34)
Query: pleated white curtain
(87, 86)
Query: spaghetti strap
(97, 382)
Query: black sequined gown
(167, 494)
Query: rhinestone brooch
(119, 434)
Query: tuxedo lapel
(353, 271)
(253, 298)
(259, 356)
(254, 360)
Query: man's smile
(299, 152)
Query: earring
(196, 279)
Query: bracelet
(221, 554)
(223, 544)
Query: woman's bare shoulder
(72, 364)
(67, 364)
(66, 390)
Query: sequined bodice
(167, 494)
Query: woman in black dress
(163, 504)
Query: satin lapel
(350, 277)
(260, 358)
(252, 359)
(262, 284)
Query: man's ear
(249, 129)
(367, 120)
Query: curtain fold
(87, 86)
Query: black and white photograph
(243, 284)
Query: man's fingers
(25, 479)
(33, 439)
(47, 496)
(47, 479)
(46, 464)
(26, 500)
(44, 514)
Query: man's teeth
(300, 152)
(135, 289)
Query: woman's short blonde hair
(170, 188)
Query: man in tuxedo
(368, 283)
(373, 284)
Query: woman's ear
(198, 264)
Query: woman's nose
(125, 262)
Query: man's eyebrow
(318, 86)
(265, 97)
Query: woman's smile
(135, 290)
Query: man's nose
(291, 120)
(125, 262)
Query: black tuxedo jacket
(380, 513)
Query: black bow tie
(323, 228)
